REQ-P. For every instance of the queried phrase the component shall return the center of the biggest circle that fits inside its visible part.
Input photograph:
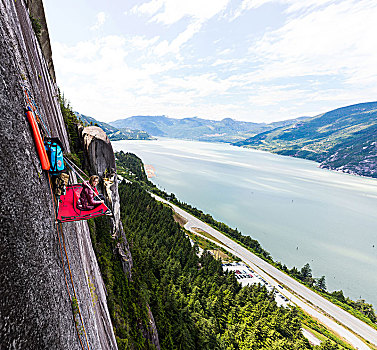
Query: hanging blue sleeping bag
(54, 150)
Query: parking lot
(245, 275)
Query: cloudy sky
(253, 60)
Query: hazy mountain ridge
(342, 139)
(113, 133)
(226, 130)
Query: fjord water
(297, 211)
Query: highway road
(315, 305)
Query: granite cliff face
(37, 292)
(100, 159)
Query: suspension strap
(72, 165)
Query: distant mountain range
(226, 130)
(343, 139)
(113, 133)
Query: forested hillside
(129, 315)
(342, 139)
(195, 304)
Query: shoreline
(341, 171)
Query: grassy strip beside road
(348, 308)
(206, 234)
(319, 330)
(180, 219)
(215, 250)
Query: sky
(251, 60)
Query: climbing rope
(59, 230)
(29, 101)
(75, 168)
(38, 116)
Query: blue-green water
(297, 211)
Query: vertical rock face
(98, 150)
(35, 305)
(100, 156)
(101, 161)
(36, 10)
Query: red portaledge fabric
(68, 210)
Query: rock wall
(100, 157)
(35, 306)
(36, 10)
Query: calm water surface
(297, 211)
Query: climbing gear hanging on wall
(60, 184)
(51, 156)
(38, 125)
(38, 140)
(54, 149)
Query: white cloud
(203, 85)
(275, 95)
(298, 5)
(148, 8)
(101, 18)
(165, 47)
(172, 11)
(292, 5)
(141, 42)
(187, 60)
(102, 80)
(333, 41)
(225, 52)
(221, 61)
(155, 68)
(98, 71)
